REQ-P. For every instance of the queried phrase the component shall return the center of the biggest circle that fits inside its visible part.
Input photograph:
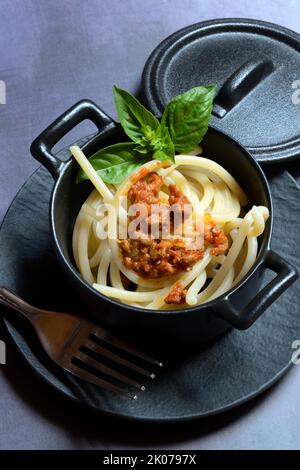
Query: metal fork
(71, 342)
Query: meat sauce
(176, 295)
(155, 258)
(158, 258)
(146, 189)
(215, 236)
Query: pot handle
(286, 275)
(41, 147)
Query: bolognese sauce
(159, 257)
(176, 295)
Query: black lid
(256, 66)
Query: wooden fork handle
(11, 300)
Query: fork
(71, 342)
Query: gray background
(53, 53)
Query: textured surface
(54, 53)
(229, 371)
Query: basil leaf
(187, 117)
(138, 123)
(115, 163)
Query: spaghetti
(161, 272)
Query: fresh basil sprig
(183, 125)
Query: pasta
(115, 267)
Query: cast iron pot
(239, 308)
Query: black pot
(239, 308)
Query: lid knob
(240, 83)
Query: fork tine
(108, 338)
(97, 365)
(88, 377)
(90, 344)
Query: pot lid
(256, 66)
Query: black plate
(230, 371)
(255, 65)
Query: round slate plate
(228, 372)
